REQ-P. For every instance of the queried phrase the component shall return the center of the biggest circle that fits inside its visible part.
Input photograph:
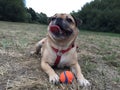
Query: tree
(33, 14)
(42, 18)
(100, 15)
(37, 17)
(15, 10)
(12, 10)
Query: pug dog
(58, 49)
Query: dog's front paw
(54, 79)
(83, 82)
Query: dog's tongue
(54, 28)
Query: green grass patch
(117, 79)
(6, 43)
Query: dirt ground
(99, 57)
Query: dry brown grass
(99, 57)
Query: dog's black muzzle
(64, 29)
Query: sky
(50, 7)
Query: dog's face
(61, 26)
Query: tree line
(15, 11)
(100, 15)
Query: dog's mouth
(60, 33)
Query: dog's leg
(53, 77)
(38, 46)
(80, 78)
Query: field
(99, 57)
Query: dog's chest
(60, 58)
(66, 59)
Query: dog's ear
(49, 19)
(77, 21)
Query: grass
(99, 57)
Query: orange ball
(66, 77)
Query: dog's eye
(69, 20)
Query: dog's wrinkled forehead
(64, 16)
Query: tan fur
(67, 59)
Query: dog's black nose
(61, 23)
